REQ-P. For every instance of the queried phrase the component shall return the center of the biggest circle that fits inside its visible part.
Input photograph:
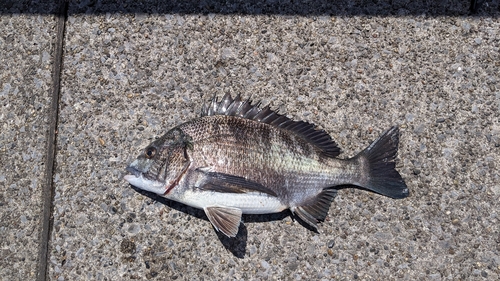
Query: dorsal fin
(245, 109)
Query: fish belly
(248, 203)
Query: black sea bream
(238, 158)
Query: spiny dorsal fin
(245, 109)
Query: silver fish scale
(276, 158)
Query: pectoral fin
(224, 219)
(224, 183)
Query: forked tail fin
(378, 162)
(380, 156)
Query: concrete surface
(129, 77)
(26, 57)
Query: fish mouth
(137, 179)
(133, 171)
(135, 175)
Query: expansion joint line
(48, 188)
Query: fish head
(162, 164)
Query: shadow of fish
(238, 158)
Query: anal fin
(224, 219)
(316, 208)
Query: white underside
(248, 203)
(148, 185)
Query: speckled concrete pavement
(131, 72)
(26, 58)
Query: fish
(240, 158)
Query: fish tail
(380, 157)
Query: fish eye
(150, 152)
